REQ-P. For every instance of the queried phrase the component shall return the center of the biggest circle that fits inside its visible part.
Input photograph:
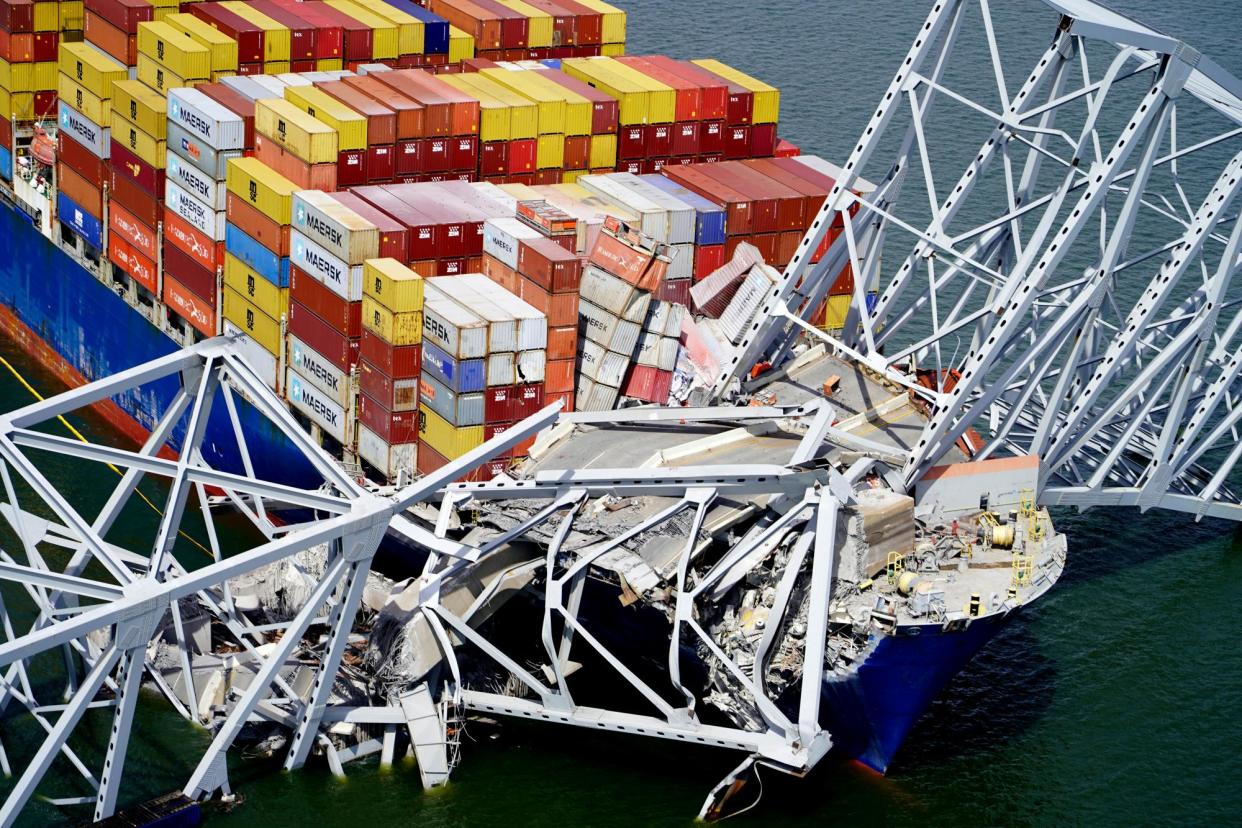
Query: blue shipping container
(6, 164)
(79, 221)
(257, 257)
(709, 221)
(462, 377)
(435, 27)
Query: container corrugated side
(319, 371)
(93, 136)
(745, 303)
(205, 188)
(501, 238)
(90, 67)
(501, 325)
(262, 328)
(443, 437)
(259, 185)
(337, 228)
(532, 324)
(276, 37)
(318, 407)
(343, 279)
(212, 123)
(404, 328)
(767, 98)
(201, 216)
(392, 285)
(391, 460)
(223, 48)
(462, 376)
(83, 100)
(501, 369)
(192, 149)
(458, 410)
(254, 286)
(456, 330)
(598, 325)
(284, 123)
(614, 294)
(256, 255)
(141, 105)
(351, 127)
(681, 216)
(129, 135)
(602, 365)
(171, 48)
(653, 219)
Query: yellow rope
(78, 434)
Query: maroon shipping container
(409, 157)
(741, 101)
(494, 158)
(564, 23)
(81, 160)
(393, 241)
(135, 169)
(437, 109)
(381, 164)
(577, 152)
(588, 23)
(409, 112)
(659, 140)
(393, 394)
(351, 168)
(631, 142)
(514, 26)
(605, 111)
(356, 37)
(648, 384)
(329, 342)
(248, 35)
(436, 156)
(464, 152)
(45, 104)
(762, 140)
(123, 14)
(430, 461)
(713, 91)
(46, 45)
(329, 32)
(790, 204)
(17, 16)
(549, 265)
(397, 361)
(391, 426)
(133, 198)
(381, 120)
(302, 33)
(813, 195)
(193, 276)
(452, 223)
(697, 178)
(474, 209)
(421, 237)
(325, 303)
(685, 141)
(234, 102)
(498, 404)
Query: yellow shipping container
(262, 328)
(174, 51)
(305, 136)
(384, 38)
(662, 98)
(91, 68)
(145, 107)
(633, 99)
(461, 45)
(162, 15)
(46, 17)
(351, 128)
(570, 176)
(613, 18)
(17, 77)
(276, 38)
(578, 110)
(603, 151)
(277, 67)
(258, 184)
(767, 106)
(138, 141)
(837, 308)
(222, 47)
(523, 112)
(329, 64)
(443, 438)
(612, 49)
(45, 72)
(405, 328)
(72, 16)
(550, 152)
(77, 96)
(539, 28)
(410, 30)
(392, 285)
(549, 104)
(161, 78)
(493, 114)
(273, 301)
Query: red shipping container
(632, 142)
(409, 158)
(208, 253)
(124, 14)
(44, 46)
(396, 361)
(648, 384)
(381, 120)
(248, 35)
(689, 96)
(302, 33)
(464, 152)
(786, 149)
(605, 111)
(589, 24)
(393, 243)
(106, 37)
(738, 208)
(499, 404)
(564, 397)
(450, 267)
(463, 109)
(762, 140)
(708, 258)
(483, 24)
(675, 290)
(737, 142)
(521, 155)
(329, 28)
(45, 104)
(686, 138)
(17, 15)
(430, 461)
(740, 101)
(391, 426)
(393, 394)
(409, 113)
(142, 269)
(449, 219)
(189, 272)
(546, 177)
(77, 158)
(559, 376)
(633, 167)
(712, 138)
(264, 230)
(123, 225)
(135, 169)
(652, 166)
(549, 265)
(328, 341)
(560, 308)
(494, 158)
(83, 193)
(788, 204)
(307, 176)
(351, 169)
(564, 23)
(201, 315)
(659, 140)
(235, 102)
(562, 342)
(325, 303)
(437, 118)
(381, 164)
(420, 231)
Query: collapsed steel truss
(1071, 289)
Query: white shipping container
(193, 151)
(272, 84)
(532, 366)
(388, 460)
(191, 178)
(316, 405)
(260, 360)
(681, 261)
(744, 304)
(617, 296)
(294, 79)
(501, 369)
(335, 227)
(598, 325)
(84, 131)
(246, 85)
(318, 371)
(652, 218)
(664, 318)
(595, 397)
(681, 216)
(490, 190)
(501, 326)
(657, 351)
(532, 330)
(344, 280)
(501, 237)
(459, 409)
(602, 365)
(202, 217)
(219, 127)
(456, 330)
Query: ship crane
(1064, 299)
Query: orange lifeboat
(43, 148)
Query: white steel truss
(1066, 291)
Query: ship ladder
(896, 566)
(1026, 503)
(1022, 566)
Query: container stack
(390, 367)
(511, 147)
(29, 36)
(649, 378)
(605, 120)
(450, 146)
(84, 142)
(255, 299)
(477, 335)
(709, 225)
(752, 112)
(624, 270)
(522, 256)
(645, 107)
(536, 29)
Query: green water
(1115, 700)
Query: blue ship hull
(82, 331)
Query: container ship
(423, 222)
